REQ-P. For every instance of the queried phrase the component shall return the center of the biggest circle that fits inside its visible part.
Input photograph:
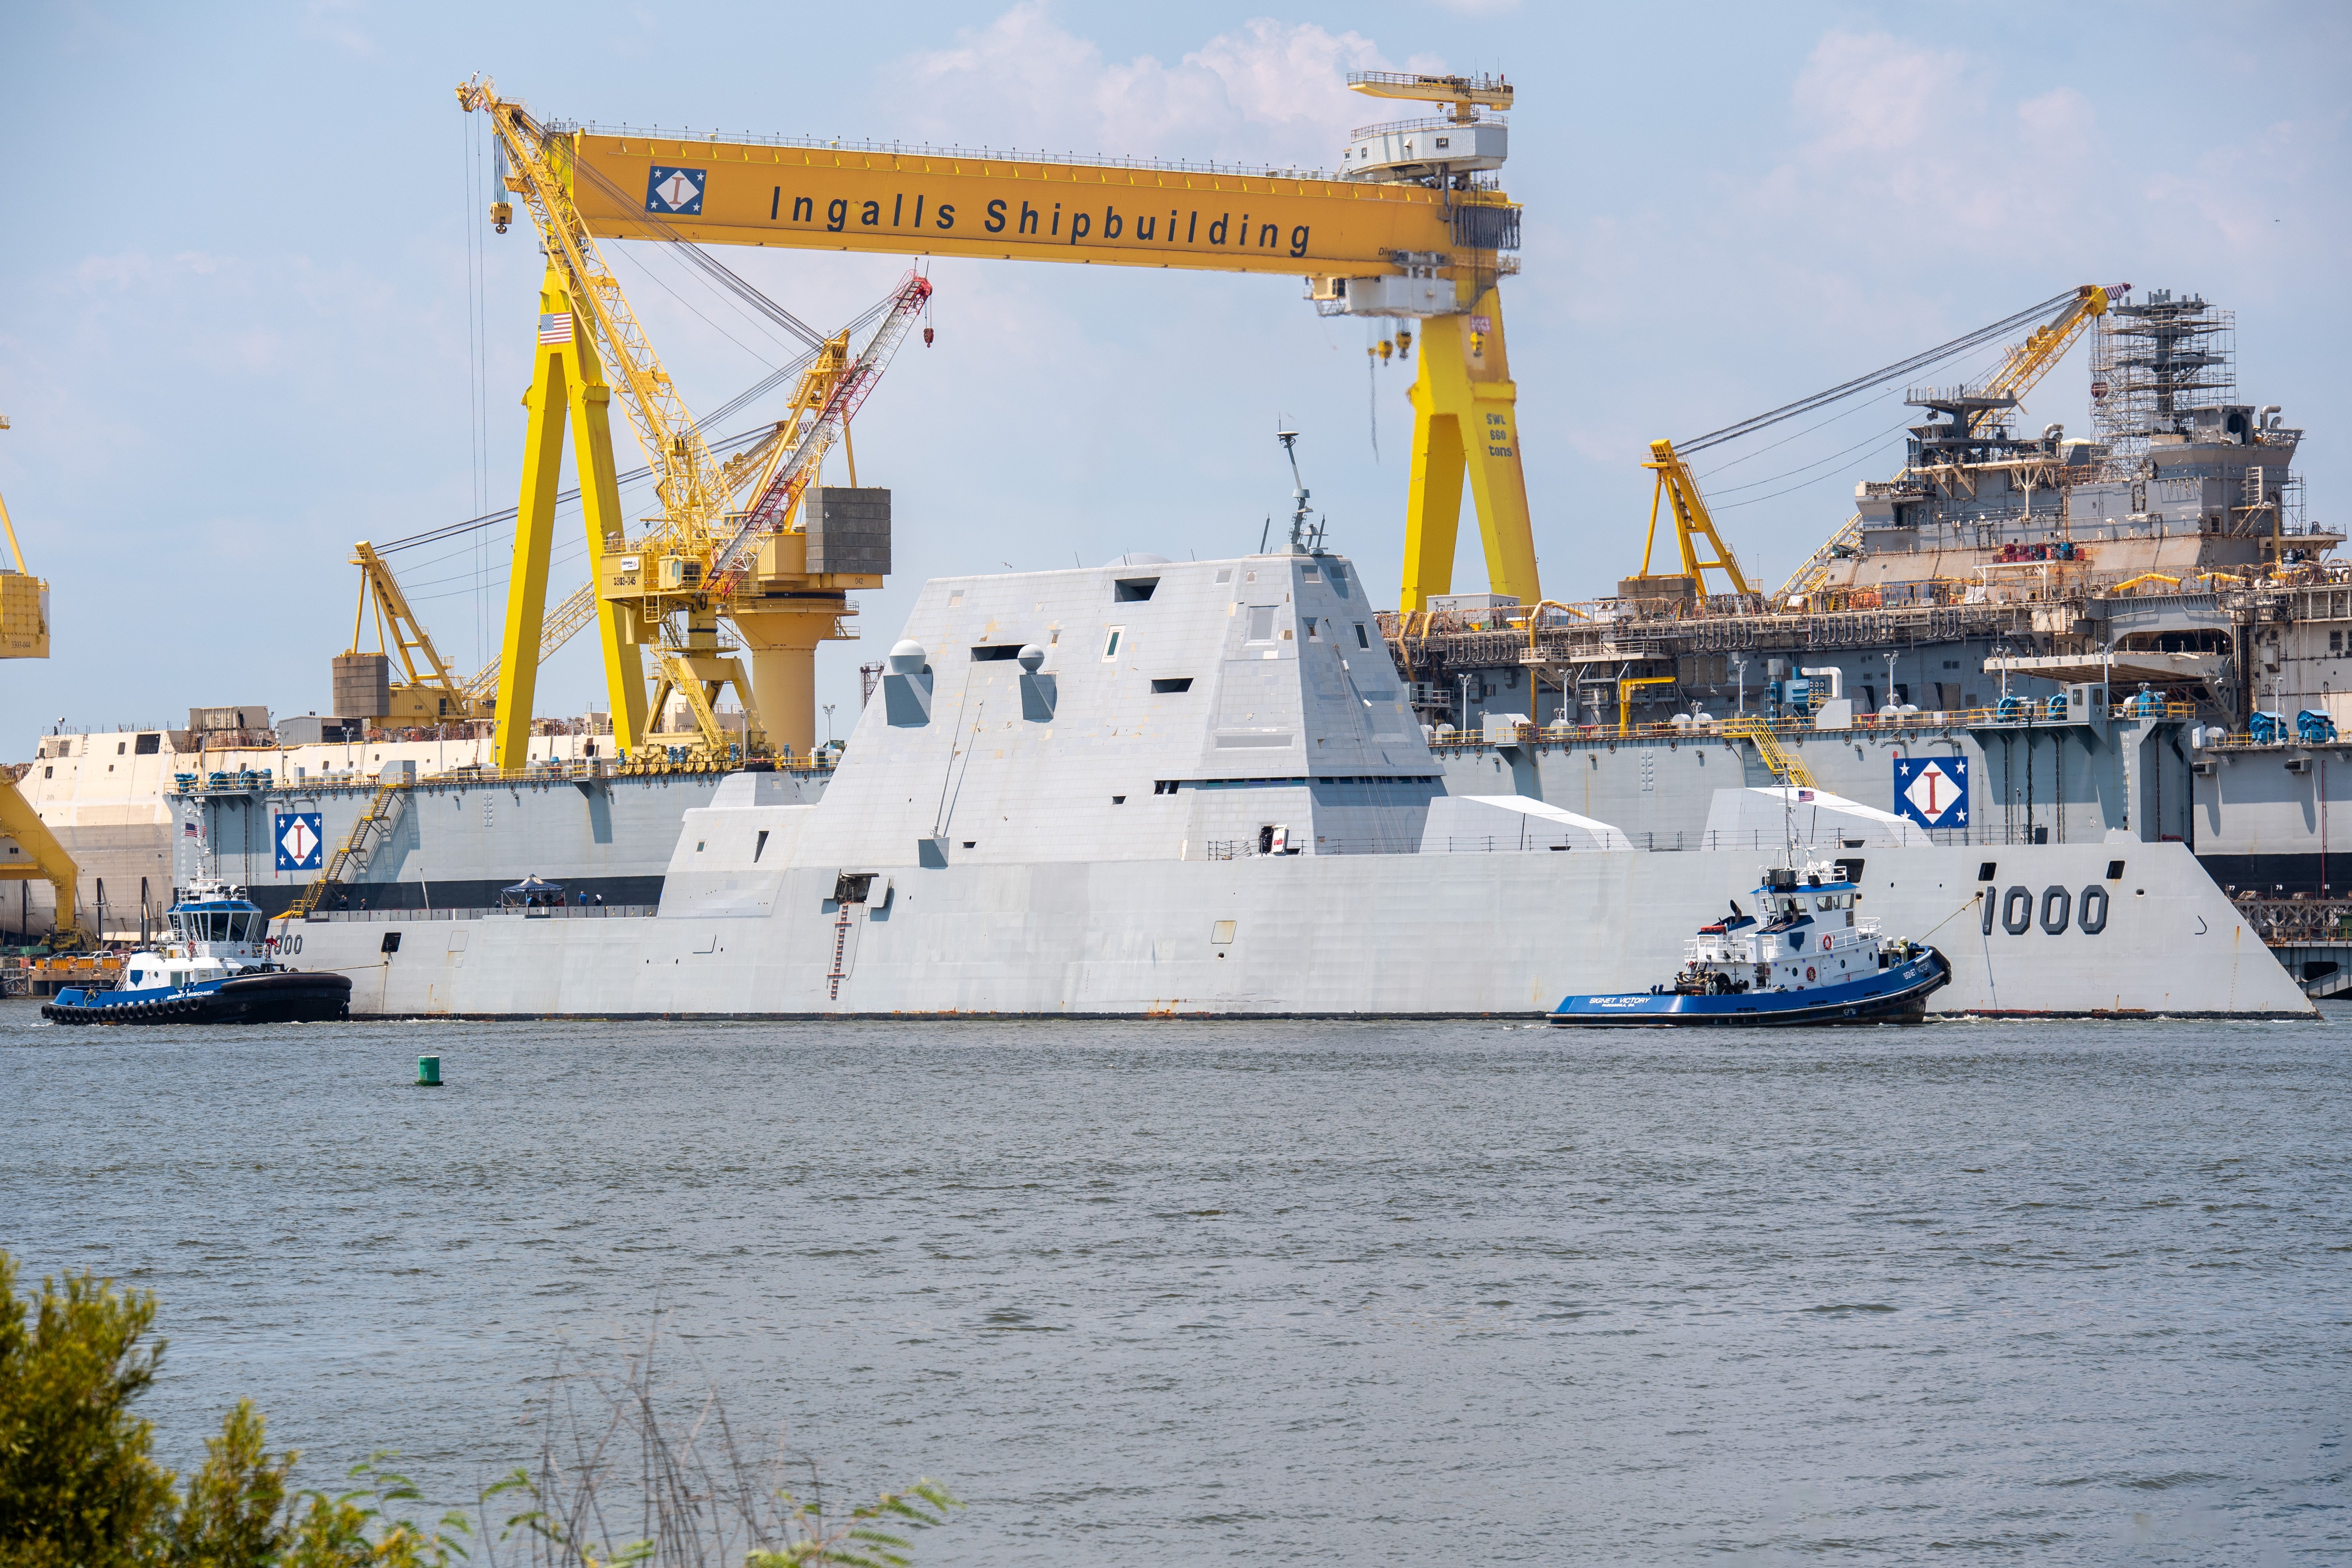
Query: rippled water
(1280, 1292)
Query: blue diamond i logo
(300, 837)
(1932, 791)
(669, 190)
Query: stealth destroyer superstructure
(1198, 787)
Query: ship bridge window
(1173, 683)
(1135, 590)
(1361, 640)
(147, 745)
(989, 653)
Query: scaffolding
(2154, 364)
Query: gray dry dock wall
(1181, 709)
(2261, 803)
(456, 843)
(126, 875)
(2072, 781)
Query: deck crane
(1676, 490)
(432, 694)
(660, 593)
(2020, 369)
(1408, 231)
(24, 633)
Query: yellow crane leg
(618, 626)
(50, 862)
(783, 648)
(1465, 424)
(566, 379)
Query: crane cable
(1877, 378)
(732, 406)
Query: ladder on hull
(359, 844)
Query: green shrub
(79, 1488)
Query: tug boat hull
(307, 997)
(1897, 995)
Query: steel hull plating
(1306, 935)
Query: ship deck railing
(1729, 727)
(2214, 741)
(2298, 921)
(486, 912)
(248, 781)
(1766, 842)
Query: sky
(242, 325)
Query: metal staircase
(373, 827)
(1783, 763)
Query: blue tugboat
(217, 970)
(1806, 957)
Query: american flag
(1804, 794)
(556, 329)
(190, 829)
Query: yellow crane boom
(2027, 363)
(431, 693)
(1677, 493)
(817, 197)
(664, 591)
(1408, 234)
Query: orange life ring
(1809, 972)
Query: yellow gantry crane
(1407, 231)
(764, 564)
(24, 633)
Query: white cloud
(1268, 92)
(336, 22)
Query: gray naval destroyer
(1199, 788)
(2126, 646)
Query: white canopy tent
(1477, 823)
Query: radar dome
(907, 657)
(1031, 655)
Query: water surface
(1168, 1293)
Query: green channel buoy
(428, 1073)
